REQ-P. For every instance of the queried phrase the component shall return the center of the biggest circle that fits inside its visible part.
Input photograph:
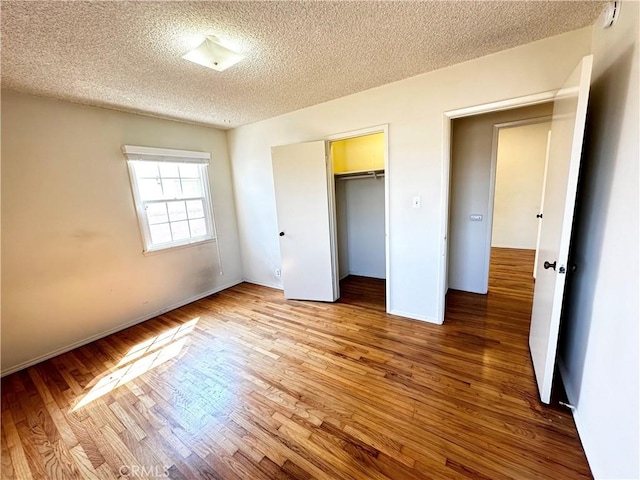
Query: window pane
(195, 209)
(150, 189)
(168, 169)
(191, 188)
(146, 169)
(171, 188)
(161, 189)
(198, 227)
(157, 213)
(189, 170)
(177, 211)
(160, 233)
(180, 230)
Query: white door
(302, 201)
(540, 213)
(567, 134)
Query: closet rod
(375, 175)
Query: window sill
(160, 249)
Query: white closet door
(302, 202)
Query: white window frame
(135, 154)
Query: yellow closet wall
(358, 154)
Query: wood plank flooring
(244, 384)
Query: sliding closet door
(303, 210)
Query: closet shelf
(360, 174)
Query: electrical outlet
(277, 272)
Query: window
(171, 191)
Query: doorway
(305, 194)
(565, 148)
(520, 156)
(497, 172)
(359, 197)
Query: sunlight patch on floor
(149, 354)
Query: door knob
(282, 234)
(548, 265)
(539, 215)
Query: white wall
(519, 177)
(72, 262)
(360, 219)
(413, 108)
(470, 193)
(600, 348)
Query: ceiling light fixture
(213, 55)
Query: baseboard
(513, 247)
(111, 331)
(264, 284)
(466, 289)
(413, 316)
(572, 399)
(367, 275)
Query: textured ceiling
(127, 55)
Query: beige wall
(72, 262)
(413, 109)
(518, 188)
(470, 193)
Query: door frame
(492, 183)
(447, 119)
(384, 128)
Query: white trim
(333, 220)
(387, 210)
(358, 133)
(447, 118)
(525, 121)
(111, 331)
(414, 316)
(364, 274)
(191, 243)
(384, 129)
(493, 169)
(507, 104)
(264, 284)
(443, 277)
(133, 152)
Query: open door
(541, 212)
(302, 201)
(565, 152)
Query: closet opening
(497, 172)
(358, 165)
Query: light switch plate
(417, 201)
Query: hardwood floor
(244, 384)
